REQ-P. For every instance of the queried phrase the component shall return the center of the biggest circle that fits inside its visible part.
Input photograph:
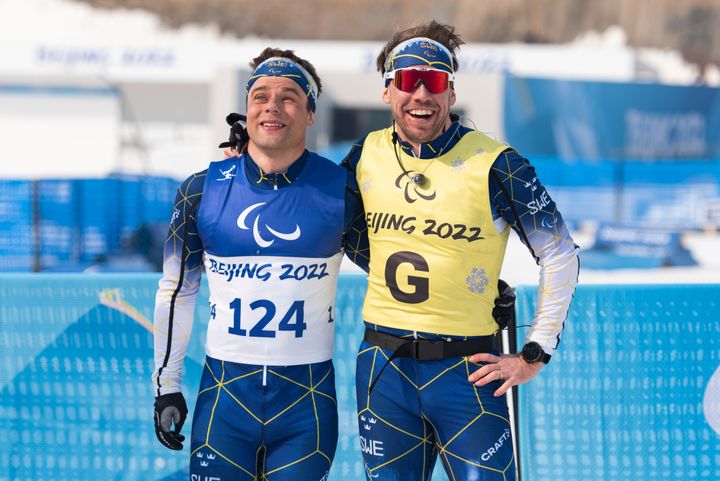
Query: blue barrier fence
(633, 393)
(676, 195)
(16, 224)
(77, 221)
(70, 224)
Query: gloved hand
(238, 132)
(504, 310)
(170, 409)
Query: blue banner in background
(600, 120)
(624, 247)
(633, 392)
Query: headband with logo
(419, 52)
(283, 67)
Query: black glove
(504, 310)
(170, 409)
(238, 132)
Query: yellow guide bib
(435, 252)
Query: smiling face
(419, 115)
(277, 117)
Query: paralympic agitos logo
(412, 191)
(257, 236)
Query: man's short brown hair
(441, 33)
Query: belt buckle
(425, 350)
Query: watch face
(532, 352)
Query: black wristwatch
(533, 352)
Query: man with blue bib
(267, 227)
(439, 201)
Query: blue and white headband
(283, 67)
(419, 52)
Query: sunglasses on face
(435, 81)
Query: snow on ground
(519, 267)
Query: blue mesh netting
(622, 399)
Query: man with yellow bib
(439, 201)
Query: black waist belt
(427, 350)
